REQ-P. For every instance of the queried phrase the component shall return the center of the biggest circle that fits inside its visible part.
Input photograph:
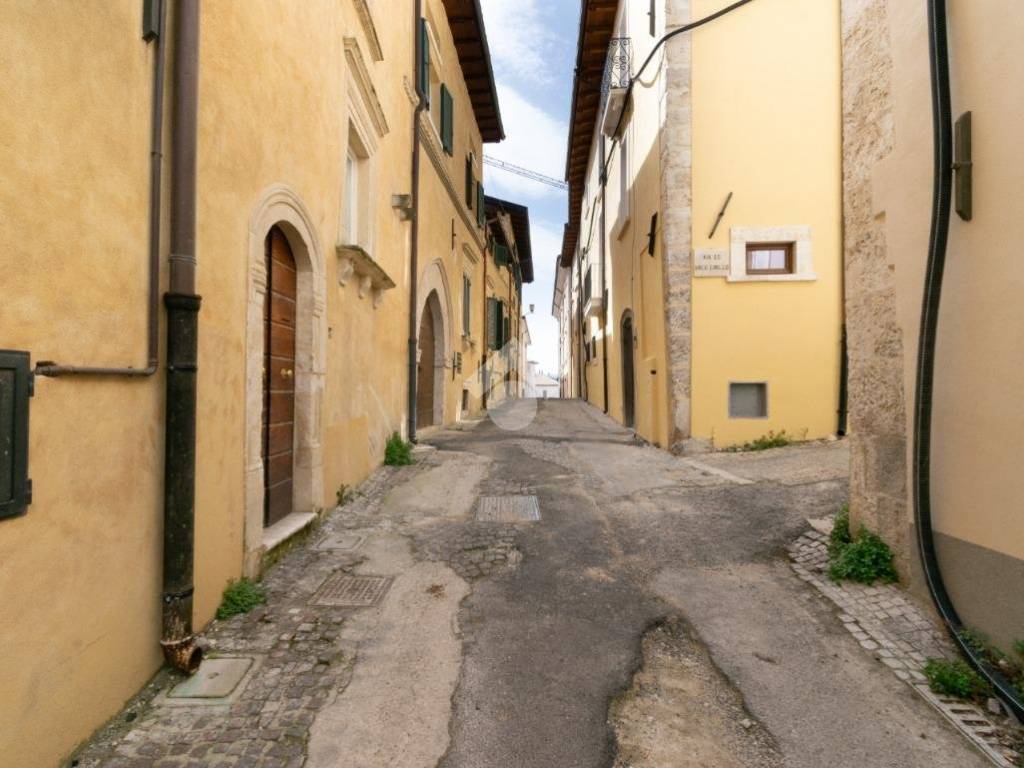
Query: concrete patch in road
(343, 542)
(682, 712)
(447, 490)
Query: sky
(533, 52)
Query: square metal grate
(343, 591)
(508, 509)
(341, 541)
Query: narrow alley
(541, 590)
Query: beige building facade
(702, 256)
(975, 484)
(303, 241)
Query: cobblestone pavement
(902, 638)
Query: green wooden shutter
(447, 120)
(501, 255)
(506, 335)
(492, 322)
(500, 324)
(424, 62)
(470, 182)
(481, 216)
(467, 297)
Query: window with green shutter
(500, 325)
(492, 322)
(481, 216)
(424, 73)
(470, 182)
(447, 120)
(501, 255)
(506, 335)
(467, 299)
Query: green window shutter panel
(501, 324)
(447, 121)
(492, 322)
(501, 255)
(424, 61)
(507, 331)
(481, 216)
(467, 297)
(470, 182)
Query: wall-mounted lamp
(403, 206)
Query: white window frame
(803, 262)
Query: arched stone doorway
(430, 364)
(628, 375)
(281, 211)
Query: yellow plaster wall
(766, 126)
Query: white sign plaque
(711, 262)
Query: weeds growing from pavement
(240, 597)
(955, 678)
(397, 453)
(863, 558)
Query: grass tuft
(863, 558)
(764, 443)
(955, 678)
(397, 453)
(240, 597)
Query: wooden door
(425, 371)
(278, 379)
(628, 376)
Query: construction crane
(526, 172)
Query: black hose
(942, 126)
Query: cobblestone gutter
(301, 661)
(900, 636)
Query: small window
(467, 304)
(470, 181)
(770, 259)
(748, 401)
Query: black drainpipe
(414, 248)
(942, 125)
(54, 370)
(182, 304)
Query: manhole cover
(342, 541)
(344, 591)
(508, 509)
(215, 679)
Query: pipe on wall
(414, 246)
(942, 127)
(604, 285)
(56, 370)
(177, 639)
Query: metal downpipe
(942, 125)
(177, 639)
(414, 246)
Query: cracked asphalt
(648, 619)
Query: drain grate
(508, 509)
(342, 541)
(343, 591)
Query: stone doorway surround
(433, 296)
(280, 206)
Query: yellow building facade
(303, 238)
(704, 231)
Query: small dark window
(467, 303)
(470, 182)
(15, 390)
(748, 400)
(770, 259)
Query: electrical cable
(942, 127)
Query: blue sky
(533, 51)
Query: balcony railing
(618, 69)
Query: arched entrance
(628, 377)
(430, 364)
(278, 378)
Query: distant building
(539, 384)
(700, 283)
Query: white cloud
(519, 36)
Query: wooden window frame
(789, 247)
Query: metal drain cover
(508, 509)
(217, 678)
(343, 591)
(342, 541)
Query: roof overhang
(520, 218)
(467, 24)
(597, 20)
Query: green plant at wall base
(765, 442)
(840, 538)
(866, 559)
(342, 494)
(955, 678)
(240, 597)
(1018, 648)
(397, 453)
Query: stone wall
(877, 418)
(677, 207)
